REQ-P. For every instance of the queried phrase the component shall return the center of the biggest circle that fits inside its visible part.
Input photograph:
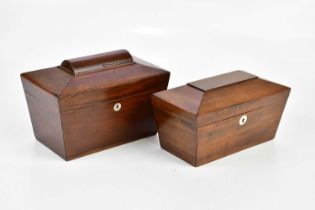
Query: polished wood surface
(221, 80)
(72, 110)
(45, 117)
(98, 62)
(200, 126)
(99, 126)
(177, 133)
(225, 137)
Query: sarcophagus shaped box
(211, 118)
(91, 103)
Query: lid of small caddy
(220, 97)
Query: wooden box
(214, 117)
(91, 103)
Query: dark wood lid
(221, 80)
(97, 72)
(220, 97)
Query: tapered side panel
(176, 133)
(45, 117)
(225, 137)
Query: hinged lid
(99, 78)
(217, 98)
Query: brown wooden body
(71, 106)
(200, 122)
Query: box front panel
(231, 135)
(103, 125)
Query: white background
(193, 39)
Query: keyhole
(243, 120)
(117, 107)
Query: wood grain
(45, 117)
(225, 137)
(98, 126)
(72, 109)
(222, 80)
(176, 132)
(200, 125)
